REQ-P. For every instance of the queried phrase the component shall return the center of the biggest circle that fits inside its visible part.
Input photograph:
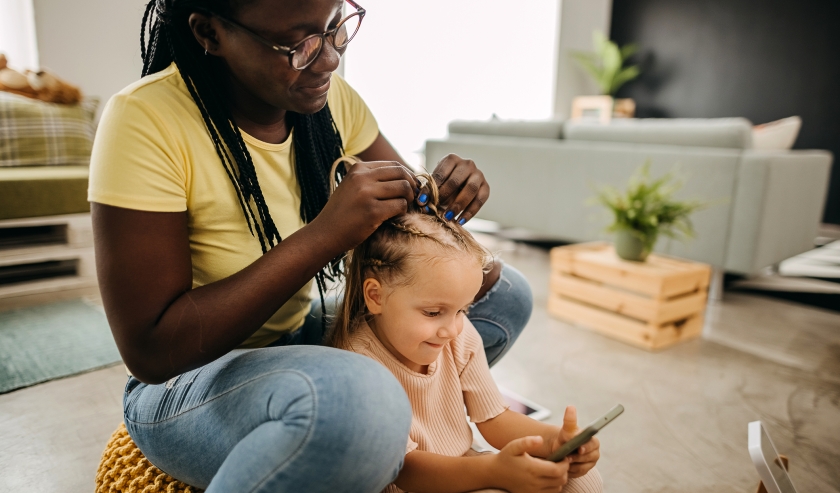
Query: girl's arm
(510, 425)
(512, 468)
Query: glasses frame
(291, 50)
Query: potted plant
(606, 66)
(645, 211)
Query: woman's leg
(299, 418)
(501, 314)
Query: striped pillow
(35, 133)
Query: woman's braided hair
(317, 142)
(387, 254)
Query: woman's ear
(372, 290)
(205, 31)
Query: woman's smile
(316, 89)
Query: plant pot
(629, 246)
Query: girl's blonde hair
(387, 254)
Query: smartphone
(584, 436)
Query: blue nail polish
(423, 198)
(462, 221)
(427, 209)
(449, 215)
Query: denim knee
(501, 315)
(369, 422)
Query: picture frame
(592, 109)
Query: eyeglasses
(302, 54)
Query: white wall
(94, 44)
(577, 20)
(419, 65)
(17, 34)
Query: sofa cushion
(539, 129)
(35, 133)
(778, 135)
(732, 133)
(36, 191)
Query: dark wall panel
(760, 59)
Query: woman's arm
(512, 468)
(462, 188)
(163, 327)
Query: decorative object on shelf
(592, 109)
(651, 305)
(624, 108)
(645, 211)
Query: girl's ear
(372, 290)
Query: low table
(652, 304)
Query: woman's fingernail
(449, 215)
(423, 198)
(462, 221)
(427, 209)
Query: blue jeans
(296, 416)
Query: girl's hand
(369, 194)
(518, 472)
(463, 189)
(588, 453)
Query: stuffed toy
(41, 85)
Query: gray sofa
(766, 206)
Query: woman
(212, 216)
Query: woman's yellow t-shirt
(152, 152)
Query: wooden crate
(652, 304)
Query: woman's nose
(327, 60)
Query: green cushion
(35, 191)
(35, 133)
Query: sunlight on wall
(17, 34)
(419, 65)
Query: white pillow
(778, 135)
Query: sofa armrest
(777, 207)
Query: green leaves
(605, 64)
(647, 209)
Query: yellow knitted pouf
(124, 469)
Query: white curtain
(419, 65)
(17, 34)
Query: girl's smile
(416, 320)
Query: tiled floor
(687, 408)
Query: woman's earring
(205, 52)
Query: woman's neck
(256, 118)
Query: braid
(317, 142)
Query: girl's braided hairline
(396, 223)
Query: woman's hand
(463, 189)
(369, 194)
(588, 453)
(517, 471)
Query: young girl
(408, 289)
